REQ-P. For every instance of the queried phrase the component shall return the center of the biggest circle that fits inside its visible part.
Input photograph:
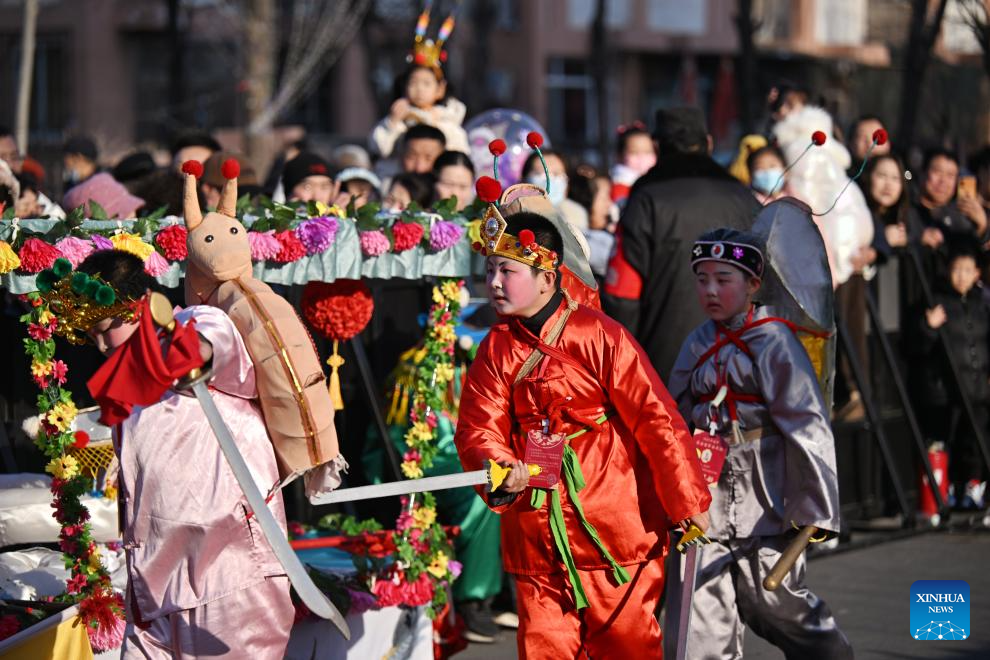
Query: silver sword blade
(314, 599)
(687, 595)
(443, 482)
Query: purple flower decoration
(373, 243)
(444, 234)
(317, 234)
(454, 567)
(361, 601)
(737, 253)
(101, 243)
(74, 249)
(264, 245)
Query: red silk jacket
(640, 464)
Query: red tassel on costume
(138, 374)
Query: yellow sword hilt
(692, 536)
(497, 473)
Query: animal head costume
(291, 385)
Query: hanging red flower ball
(534, 140)
(879, 137)
(488, 189)
(338, 310)
(292, 249)
(230, 169)
(406, 235)
(497, 147)
(818, 137)
(81, 439)
(172, 241)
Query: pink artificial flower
(74, 249)
(59, 371)
(373, 243)
(156, 265)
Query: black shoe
(480, 627)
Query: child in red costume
(585, 539)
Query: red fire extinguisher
(939, 460)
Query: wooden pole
(26, 74)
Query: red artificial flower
(879, 137)
(193, 167)
(406, 235)
(36, 255)
(9, 626)
(40, 332)
(81, 439)
(172, 241)
(59, 371)
(488, 189)
(230, 169)
(534, 140)
(338, 310)
(497, 147)
(292, 249)
(818, 137)
(76, 583)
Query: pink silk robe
(189, 542)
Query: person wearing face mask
(533, 173)
(766, 173)
(685, 195)
(637, 156)
(79, 156)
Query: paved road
(869, 591)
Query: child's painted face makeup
(513, 288)
(724, 291)
(112, 333)
(423, 89)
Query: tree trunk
(26, 77)
(921, 39)
(746, 27)
(260, 52)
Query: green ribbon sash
(573, 479)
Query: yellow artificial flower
(411, 469)
(445, 373)
(61, 415)
(474, 232)
(451, 291)
(438, 296)
(438, 567)
(93, 562)
(64, 467)
(424, 517)
(110, 492)
(420, 431)
(8, 258)
(132, 243)
(40, 369)
(445, 334)
(45, 317)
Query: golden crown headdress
(79, 300)
(427, 52)
(494, 239)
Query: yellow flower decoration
(437, 295)
(45, 317)
(61, 415)
(93, 562)
(39, 369)
(445, 334)
(64, 467)
(438, 567)
(8, 258)
(451, 291)
(474, 232)
(110, 492)
(411, 469)
(420, 431)
(132, 243)
(424, 517)
(445, 373)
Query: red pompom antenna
(534, 140)
(230, 169)
(879, 137)
(488, 189)
(193, 167)
(497, 147)
(526, 237)
(818, 137)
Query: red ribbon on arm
(138, 374)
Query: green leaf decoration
(97, 212)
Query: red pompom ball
(818, 137)
(406, 235)
(488, 189)
(172, 241)
(879, 137)
(338, 310)
(193, 167)
(526, 237)
(230, 169)
(497, 147)
(534, 140)
(81, 439)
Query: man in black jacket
(650, 284)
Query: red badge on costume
(711, 454)
(547, 451)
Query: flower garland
(89, 583)
(433, 375)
